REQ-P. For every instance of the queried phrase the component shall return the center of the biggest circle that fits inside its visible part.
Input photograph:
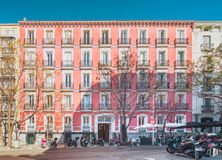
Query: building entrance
(103, 131)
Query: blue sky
(12, 11)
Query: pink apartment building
(68, 55)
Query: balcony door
(68, 80)
(207, 40)
(162, 58)
(124, 37)
(67, 101)
(105, 58)
(49, 57)
(181, 34)
(86, 58)
(86, 37)
(31, 100)
(31, 80)
(86, 81)
(104, 101)
(67, 58)
(86, 102)
(31, 37)
(142, 58)
(162, 34)
(105, 37)
(49, 101)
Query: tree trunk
(123, 132)
(9, 144)
(1, 134)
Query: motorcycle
(73, 143)
(83, 141)
(100, 142)
(114, 141)
(53, 144)
(185, 146)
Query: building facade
(206, 36)
(72, 95)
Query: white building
(206, 35)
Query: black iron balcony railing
(104, 63)
(66, 107)
(30, 85)
(30, 41)
(30, 107)
(163, 85)
(124, 63)
(49, 63)
(48, 107)
(67, 41)
(124, 41)
(207, 46)
(85, 106)
(86, 41)
(105, 85)
(143, 85)
(67, 63)
(162, 106)
(181, 106)
(181, 63)
(181, 85)
(104, 106)
(143, 41)
(162, 41)
(105, 41)
(143, 63)
(162, 63)
(83, 86)
(144, 106)
(181, 41)
(86, 63)
(30, 63)
(207, 108)
(49, 41)
(49, 85)
(67, 85)
(124, 85)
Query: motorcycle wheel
(169, 150)
(43, 146)
(101, 144)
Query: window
(207, 101)
(31, 79)
(49, 58)
(67, 101)
(68, 34)
(207, 84)
(161, 100)
(181, 58)
(124, 80)
(86, 58)
(32, 120)
(86, 37)
(85, 123)
(124, 37)
(142, 57)
(49, 120)
(49, 34)
(105, 57)
(180, 119)
(162, 34)
(161, 77)
(67, 56)
(160, 119)
(31, 100)
(49, 81)
(104, 101)
(67, 120)
(30, 37)
(49, 102)
(207, 40)
(86, 102)
(86, 80)
(68, 80)
(180, 99)
(181, 77)
(124, 58)
(142, 120)
(162, 58)
(181, 33)
(105, 37)
(143, 101)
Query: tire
(169, 150)
(101, 144)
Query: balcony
(162, 106)
(163, 85)
(48, 107)
(105, 64)
(162, 41)
(142, 42)
(105, 85)
(30, 63)
(49, 86)
(181, 106)
(181, 63)
(104, 107)
(30, 107)
(181, 41)
(123, 64)
(85, 107)
(105, 42)
(67, 86)
(86, 64)
(124, 42)
(182, 85)
(67, 64)
(29, 41)
(49, 63)
(162, 63)
(143, 85)
(143, 107)
(143, 63)
(207, 46)
(67, 107)
(86, 42)
(8, 50)
(84, 87)
(49, 127)
(67, 127)
(207, 109)
(30, 128)
(48, 41)
(30, 85)
(67, 41)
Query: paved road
(95, 153)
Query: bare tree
(128, 95)
(207, 75)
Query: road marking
(150, 158)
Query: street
(95, 153)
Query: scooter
(83, 141)
(43, 143)
(73, 143)
(114, 141)
(100, 142)
(53, 144)
(187, 146)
